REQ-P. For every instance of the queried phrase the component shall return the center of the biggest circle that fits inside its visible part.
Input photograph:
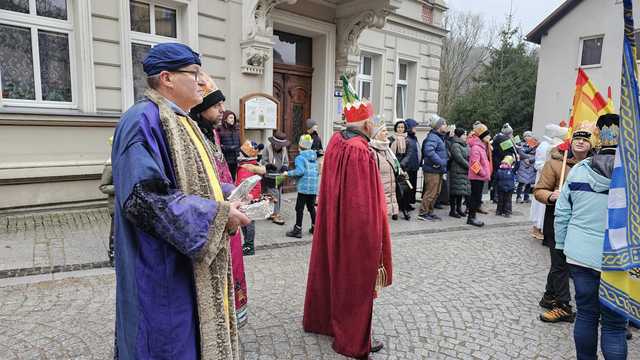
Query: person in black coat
(502, 148)
(411, 161)
(229, 131)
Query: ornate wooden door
(292, 86)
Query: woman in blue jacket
(580, 224)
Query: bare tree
(464, 51)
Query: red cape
(350, 238)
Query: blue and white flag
(620, 280)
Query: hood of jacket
(309, 155)
(458, 140)
(476, 141)
(603, 164)
(598, 182)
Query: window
(36, 38)
(401, 90)
(365, 77)
(150, 24)
(591, 51)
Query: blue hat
(411, 123)
(169, 56)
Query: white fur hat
(555, 131)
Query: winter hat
(311, 123)
(211, 96)
(508, 160)
(507, 129)
(250, 149)
(585, 132)
(410, 124)
(305, 142)
(555, 131)
(459, 132)
(527, 133)
(354, 109)
(480, 129)
(378, 125)
(279, 138)
(437, 122)
(608, 130)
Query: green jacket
(459, 168)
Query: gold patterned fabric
(195, 175)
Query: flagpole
(565, 157)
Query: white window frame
(364, 78)
(186, 32)
(582, 39)
(35, 23)
(403, 84)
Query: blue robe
(159, 230)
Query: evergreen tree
(505, 89)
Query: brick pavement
(456, 295)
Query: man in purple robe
(172, 223)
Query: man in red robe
(351, 251)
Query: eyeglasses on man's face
(195, 73)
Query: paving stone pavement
(69, 240)
(456, 295)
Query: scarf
(400, 145)
(382, 147)
(196, 175)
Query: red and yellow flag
(588, 105)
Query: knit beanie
(250, 149)
(507, 130)
(585, 132)
(311, 123)
(305, 142)
(437, 122)
(480, 129)
(459, 132)
(508, 160)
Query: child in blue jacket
(505, 180)
(306, 175)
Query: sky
(527, 13)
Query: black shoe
(406, 215)
(547, 302)
(313, 227)
(461, 213)
(394, 217)
(411, 208)
(507, 215)
(376, 346)
(475, 222)
(559, 313)
(296, 232)
(424, 217)
(248, 251)
(454, 215)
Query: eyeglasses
(195, 73)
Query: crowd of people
(178, 242)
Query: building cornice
(417, 25)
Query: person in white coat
(553, 135)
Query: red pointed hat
(353, 108)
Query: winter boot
(453, 212)
(471, 219)
(296, 232)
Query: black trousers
(455, 201)
(310, 202)
(558, 277)
(526, 188)
(233, 169)
(475, 200)
(413, 179)
(504, 202)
